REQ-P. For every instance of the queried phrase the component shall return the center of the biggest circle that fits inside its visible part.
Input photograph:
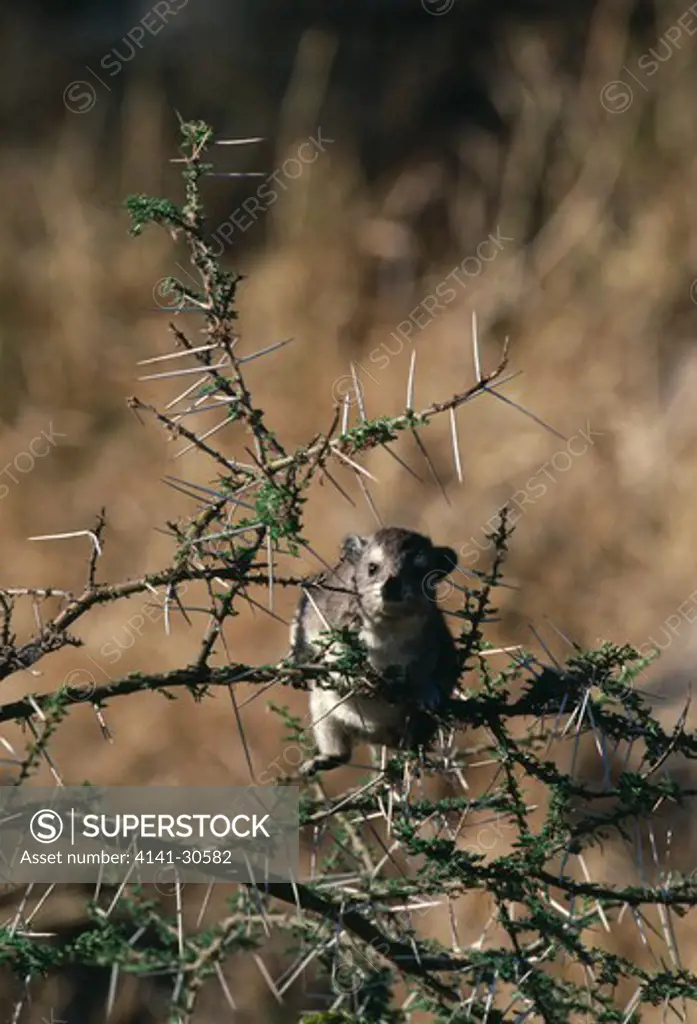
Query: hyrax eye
(372, 568)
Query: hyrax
(384, 587)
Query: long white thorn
(410, 382)
(76, 533)
(176, 355)
(475, 348)
(456, 445)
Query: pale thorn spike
(224, 986)
(302, 963)
(122, 885)
(198, 404)
(196, 283)
(345, 414)
(475, 348)
(187, 371)
(32, 700)
(204, 904)
(187, 392)
(188, 494)
(316, 555)
(456, 445)
(106, 732)
(577, 735)
(632, 1005)
(358, 391)
(568, 640)
(46, 756)
(339, 488)
(410, 382)
(18, 1006)
(179, 916)
(242, 734)
(194, 486)
(178, 354)
(544, 646)
(8, 746)
(219, 401)
(267, 978)
(354, 465)
(263, 351)
(402, 463)
(224, 534)
(240, 142)
(236, 174)
(260, 691)
(35, 910)
(429, 463)
(177, 988)
(269, 550)
(316, 608)
(77, 533)
(168, 599)
(526, 412)
(176, 310)
(599, 907)
(19, 916)
(198, 307)
(111, 994)
(255, 604)
(208, 490)
(370, 502)
(203, 437)
(492, 386)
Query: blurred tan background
(570, 133)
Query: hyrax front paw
(308, 768)
(320, 763)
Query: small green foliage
(349, 653)
(146, 210)
(278, 508)
(377, 431)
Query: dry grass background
(594, 292)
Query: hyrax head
(396, 571)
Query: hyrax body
(384, 587)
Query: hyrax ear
(444, 559)
(352, 547)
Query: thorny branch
(400, 842)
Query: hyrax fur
(384, 587)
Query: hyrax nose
(392, 589)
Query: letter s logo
(46, 826)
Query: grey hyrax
(384, 587)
